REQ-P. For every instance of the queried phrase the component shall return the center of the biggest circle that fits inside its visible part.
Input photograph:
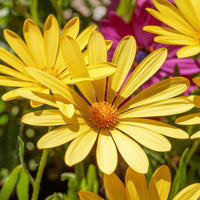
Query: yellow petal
(84, 36)
(189, 119)
(159, 91)
(76, 66)
(101, 70)
(196, 135)
(66, 109)
(157, 126)
(61, 135)
(35, 42)
(20, 48)
(58, 86)
(35, 104)
(10, 95)
(195, 99)
(106, 153)
(51, 40)
(80, 147)
(97, 55)
(196, 80)
(86, 195)
(11, 72)
(114, 187)
(12, 60)
(29, 93)
(188, 51)
(129, 149)
(191, 192)
(71, 28)
(146, 137)
(160, 184)
(136, 185)
(123, 58)
(147, 68)
(48, 118)
(160, 108)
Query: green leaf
(10, 183)
(92, 178)
(23, 186)
(67, 175)
(21, 149)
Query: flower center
(51, 71)
(103, 115)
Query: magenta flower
(115, 28)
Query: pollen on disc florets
(103, 115)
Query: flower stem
(36, 187)
(192, 150)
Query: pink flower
(115, 28)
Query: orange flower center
(51, 71)
(103, 115)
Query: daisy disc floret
(103, 114)
(183, 20)
(136, 187)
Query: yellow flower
(42, 52)
(183, 20)
(136, 187)
(107, 118)
(194, 118)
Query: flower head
(136, 187)
(42, 52)
(183, 20)
(115, 28)
(103, 115)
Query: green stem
(58, 10)
(192, 150)
(36, 187)
(34, 12)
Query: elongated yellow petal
(29, 93)
(12, 60)
(14, 82)
(101, 70)
(196, 135)
(86, 195)
(131, 152)
(51, 40)
(49, 118)
(160, 184)
(157, 126)
(196, 80)
(58, 86)
(188, 51)
(162, 90)
(71, 28)
(161, 108)
(11, 72)
(66, 109)
(148, 138)
(142, 73)
(76, 66)
(191, 192)
(61, 135)
(136, 185)
(35, 42)
(123, 58)
(193, 118)
(10, 95)
(106, 153)
(20, 48)
(114, 187)
(80, 147)
(195, 99)
(84, 36)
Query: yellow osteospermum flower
(106, 117)
(41, 52)
(136, 187)
(194, 118)
(183, 20)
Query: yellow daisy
(136, 187)
(194, 118)
(42, 52)
(183, 20)
(103, 114)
